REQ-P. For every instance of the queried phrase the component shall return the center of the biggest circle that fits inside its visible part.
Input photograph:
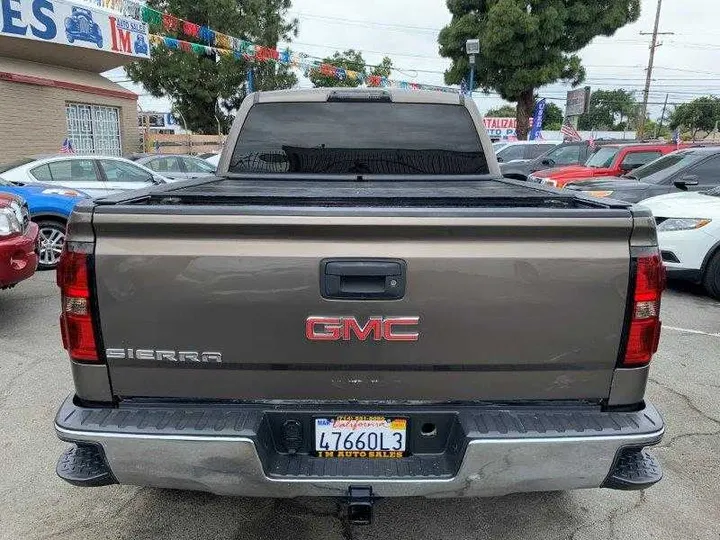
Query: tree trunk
(525, 106)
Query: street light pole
(472, 48)
(471, 86)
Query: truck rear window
(358, 138)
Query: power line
(366, 23)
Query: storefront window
(94, 129)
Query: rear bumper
(489, 451)
(18, 257)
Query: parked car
(175, 167)
(18, 241)
(81, 27)
(213, 160)
(610, 160)
(49, 207)
(96, 176)
(693, 169)
(497, 146)
(567, 153)
(302, 334)
(524, 150)
(688, 226)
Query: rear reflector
(644, 332)
(76, 324)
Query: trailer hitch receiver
(360, 505)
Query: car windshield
(661, 168)
(603, 158)
(346, 137)
(17, 163)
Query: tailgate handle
(370, 279)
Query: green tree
(654, 130)
(350, 60)
(206, 90)
(701, 114)
(610, 110)
(554, 117)
(505, 111)
(527, 44)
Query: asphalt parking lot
(35, 504)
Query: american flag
(570, 132)
(67, 147)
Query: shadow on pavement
(158, 514)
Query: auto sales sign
(74, 23)
(501, 128)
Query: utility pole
(662, 117)
(653, 45)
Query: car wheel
(51, 240)
(711, 279)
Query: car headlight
(10, 223)
(549, 182)
(62, 191)
(682, 224)
(17, 210)
(600, 193)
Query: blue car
(80, 26)
(49, 207)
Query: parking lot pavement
(34, 503)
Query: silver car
(95, 175)
(176, 167)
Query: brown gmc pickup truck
(359, 305)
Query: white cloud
(406, 31)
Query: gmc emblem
(348, 328)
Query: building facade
(51, 57)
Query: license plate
(360, 437)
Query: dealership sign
(578, 101)
(67, 23)
(501, 128)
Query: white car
(689, 235)
(96, 176)
(213, 160)
(524, 150)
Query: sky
(686, 65)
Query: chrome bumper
(492, 465)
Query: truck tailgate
(510, 306)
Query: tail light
(76, 320)
(644, 331)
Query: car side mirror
(549, 162)
(687, 180)
(500, 160)
(629, 167)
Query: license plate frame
(369, 436)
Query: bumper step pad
(85, 465)
(634, 469)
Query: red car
(608, 160)
(18, 242)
